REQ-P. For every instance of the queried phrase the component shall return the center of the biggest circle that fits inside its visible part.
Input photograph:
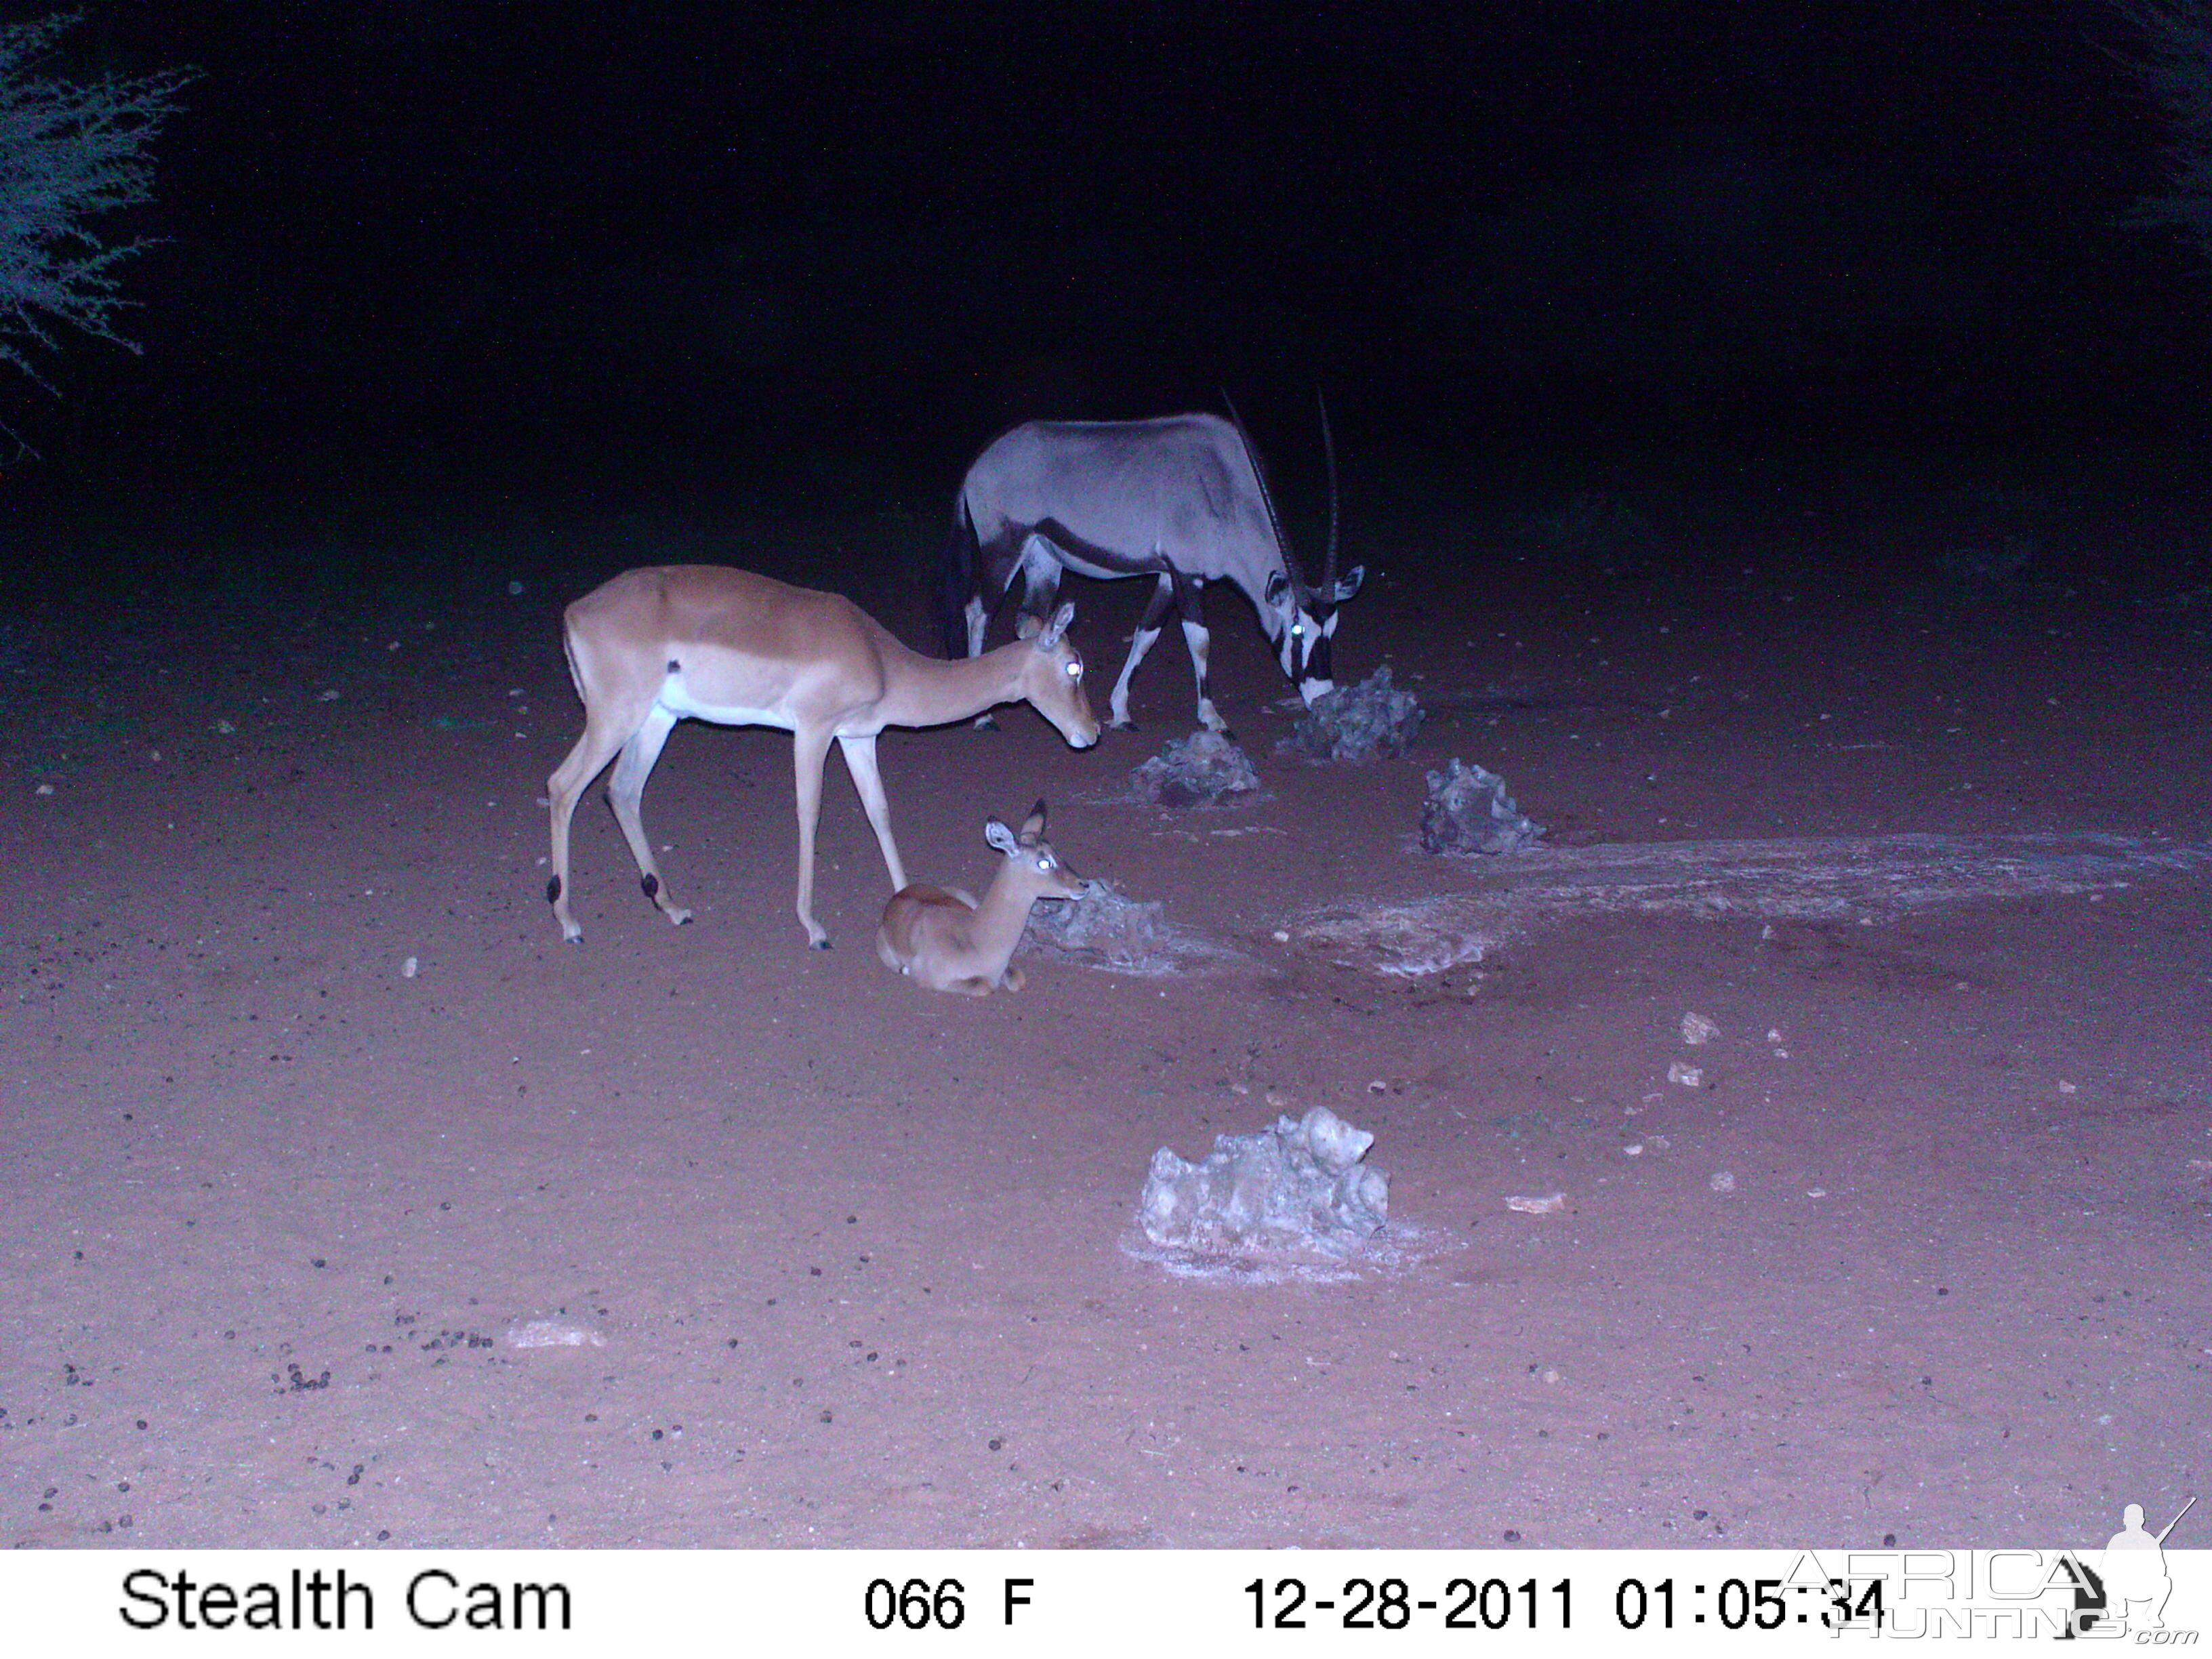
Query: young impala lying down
(950, 941)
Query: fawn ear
(1000, 837)
(1033, 825)
(1057, 626)
(1027, 627)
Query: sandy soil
(848, 1264)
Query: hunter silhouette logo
(2135, 1570)
(2129, 1587)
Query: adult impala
(655, 646)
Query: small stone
(1358, 723)
(1469, 812)
(1195, 771)
(1299, 1185)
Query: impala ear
(1000, 837)
(1057, 626)
(1350, 585)
(1033, 825)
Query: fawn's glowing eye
(1075, 670)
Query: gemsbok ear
(1350, 585)
(1058, 626)
(1278, 585)
(1000, 837)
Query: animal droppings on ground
(1469, 812)
(1358, 723)
(1195, 771)
(1297, 1189)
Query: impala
(950, 941)
(655, 646)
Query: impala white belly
(676, 697)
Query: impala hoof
(1124, 724)
(818, 945)
(679, 917)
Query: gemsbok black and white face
(1302, 624)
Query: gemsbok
(1180, 499)
(655, 646)
(950, 941)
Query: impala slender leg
(627, 790)
(563, 789)
(860, 762)
(809, 750)
(1156, 611)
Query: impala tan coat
(949, 941)
(658, 644)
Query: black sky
(495, 237)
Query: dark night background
(661, 250)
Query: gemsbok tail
(956, 580)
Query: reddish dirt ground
(271, 1209)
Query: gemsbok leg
(1156, 615)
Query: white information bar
(661, 1604)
